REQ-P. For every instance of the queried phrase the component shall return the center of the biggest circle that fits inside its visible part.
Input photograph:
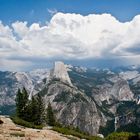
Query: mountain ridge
(78, 92)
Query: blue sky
(102, 33)
(37, 10)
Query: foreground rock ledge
(11, 131)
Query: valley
(96, 101)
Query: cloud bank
(70, 37)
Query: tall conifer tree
(50, 116)
(19, 104)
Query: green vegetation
(21, 102)
(43, 91)
(30, 110)
(122, 136)
(63, 97)
(78, 97)
(129, 128)
(103, 109)
(22, 122)
(50, 116)
(126, 107)
(131, 110)
(75, 132)
(32, 113)
(17, 134)
(109, 128)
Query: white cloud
(20, 28)
(71, 37)
(52, 11)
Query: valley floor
(11, 131)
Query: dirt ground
(10, 131)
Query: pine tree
(50, 116)
(25, 96)
(41, 109)
(25, 103)
(19, 103)
(30, 110)
(34, 108)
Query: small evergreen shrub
(72, 131)
(120, 136)
(22, 122)
(16, 134)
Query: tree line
(33, 110)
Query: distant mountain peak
(60, 72)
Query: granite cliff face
(72, 107)
(59, 72)
(114, 92)
(110, 92)
(90, 99)
(11, 81)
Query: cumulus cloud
(71, 37)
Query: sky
(91, 33)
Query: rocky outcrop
(72, 107)
(117, 92)
(60, 72)
(11, 131)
